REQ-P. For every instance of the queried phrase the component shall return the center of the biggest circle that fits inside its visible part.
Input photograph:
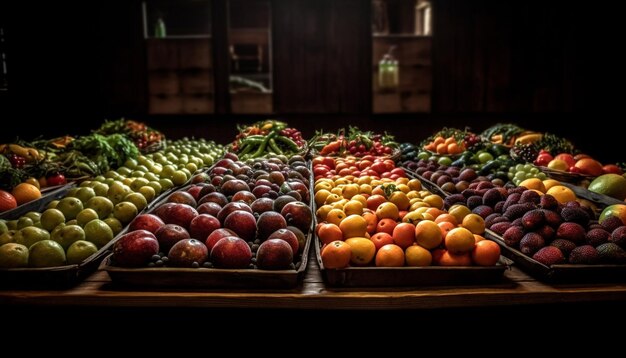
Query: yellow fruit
(350, 190)
(558, 164)
(321, 196)
(460, 240)
(562, 194)
(400, 200)
(417, 256)
(474, 223)
(415, 184)
(459, 212)
(335, 216)
(322, 212)
(361, 199)
(363, 250)
(533, 183)
(353, 226)
(353, 207)
(428, 234)
(434, 201)
(387, 210)
(549, 183)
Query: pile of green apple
(71, 229)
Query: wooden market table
(516, 288)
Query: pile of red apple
(236, 216)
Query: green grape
(519, 168)
(520, 175)
(527, 167)
(542, 176)
(534, 170)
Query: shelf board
(179, 37)
(401, 36)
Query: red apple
(567, 158)
(210, 208)
(232, 207)
(206, 189)
(179, 214)
(216, 236)
(146, 222)
(195, 191)
(233, 253)
(259, 191)
(223, 163)
(274, 254)
(262, 205)
(169, 235)
(200, 178)
(301, 237)
(185, 252)
(243, 223)
(233, 186)
(288, 236)
(135, 249)
(299, 215)
(182, 197)
(214, 197)
(202, 226)
(269, 222)
(245, 196)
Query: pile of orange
(450, 145)
(388, 223)
(25, 193)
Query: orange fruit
(416, 255)
(459, 212)
(533, 183)
(404, 235)
(372, 221)
(335, 216)
(486, 253)
(374, 201)
(390, 256)
(460, 240)
(24, 193)
(549, 183)
(33, 181)
(445, 228)
(386, 225)
(474, 223)
(353, 207)
(360, 198)
(329, 233)
(434, 201)
(450, 259)
(415, 184)
(428, 234)
(363, 250)
(590, 167)
(388, 211)
(7, 201)
(381, 239)
(321, 196)
(446, 218)
(336, 255)
(478, 238)
(353, 226)
(350, 190)
(562, 194)
(400, 200)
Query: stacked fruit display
(89, 216)
(552, 228)
(268, 137)
(353, 142)
(249, 214)
(370, 213)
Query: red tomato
(379, 167)
(56, 179)
(329, 162)
(398, 171)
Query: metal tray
(38, 205)
(566, 273)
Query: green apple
(100, 189)
(117, 192)
(130, 163)
(156, 185)
(46, 253)
(142, 168)
(179, 178)
(102, 205)
(84, 184)
(3, 227)
(30, 235)
(24, 221)
(13, 255)
(138, 183)
(137, 174)
(7, 237)
(84, 194)
(79, 251)
(151, 177)
(71, 192)
(138, 199)
(115, 225)
(68, 235)
(124, 171)
(98, 232)
(70, 207)
(125, 212)
(148, 192)
(51, 218)
(33, 215)
(166, 183)
(72, 222)
(85, 216)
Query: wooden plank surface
(516, 288)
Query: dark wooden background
(545, 65)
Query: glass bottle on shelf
(388, 72)
(159, 28)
